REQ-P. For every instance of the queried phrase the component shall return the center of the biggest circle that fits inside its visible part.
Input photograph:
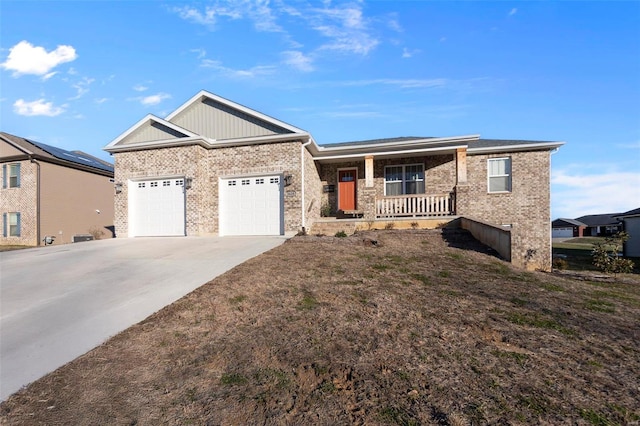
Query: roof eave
(515, 148)
(206, 142)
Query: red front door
(347, 190)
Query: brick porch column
(461, 166)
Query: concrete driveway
(58, 302)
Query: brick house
(214, 167)
(48, 191)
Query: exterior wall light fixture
(118, 187)
(188, 182)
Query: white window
(166, 183)
(246, 181)
(179, 182)
(11, 224)
(153, 184)
(141, 185)
(259, 181)
(274, 180)
(231, 183)
(11, 175)
(499, 174)
(405, 179)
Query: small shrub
(605, 255)
(325, 210)
(389, 225)
(232, 379)
(414, 225)
(96, 232)
(559, 264)
(340, 234)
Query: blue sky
(76, 74)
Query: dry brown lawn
(424, 327)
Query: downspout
(304, 206)
(34, 161)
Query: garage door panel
(251, 206)
(157, 208)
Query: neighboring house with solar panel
(215, 167)
(50, 192)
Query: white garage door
(156, 208)
(251, 206)
(562, 233)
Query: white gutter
(522, 147)
(304, 207)
(205, 142)
(382, 153)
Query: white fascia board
(330, 158)
(143, 121)
(165, 143)
(260, 139)
(204, 94)
(515, 148)
(397, 147)
(206, 142)
(396, 144)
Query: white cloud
(154, 99)
(633, 145)
(578, 193)
(346, 28)
(513, 11)
(408, 53)
(298, 60)
(238, 73)
(140, 88)
(201, 53)
(100, 101)
(401, 83)
(38, 107)
(24, 58)
(206, 17)
(82, 87)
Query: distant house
(600, 225)
(567, 228)
(50, 192)
(631, 224)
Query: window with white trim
(11, 175)
(259, 181)
(246, 181)
(11, 224)
(166, 183)
(231, 183)
(153, 184)
(499, 174)
(274, 180)
(405, 179)
(141, 185)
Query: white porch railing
(414, 205)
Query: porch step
(334, 226)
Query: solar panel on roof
(72, 156)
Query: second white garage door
(156, 208)
(562, 233)
(251, 206)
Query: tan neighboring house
(631, 225)
(50, 192)
(215, 167)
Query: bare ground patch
(386, 327)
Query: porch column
(368, 171)
(461, 205)
(461, 165)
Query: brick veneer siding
(21, 200)
(206, 167)
(314, 196)
(526, 208)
